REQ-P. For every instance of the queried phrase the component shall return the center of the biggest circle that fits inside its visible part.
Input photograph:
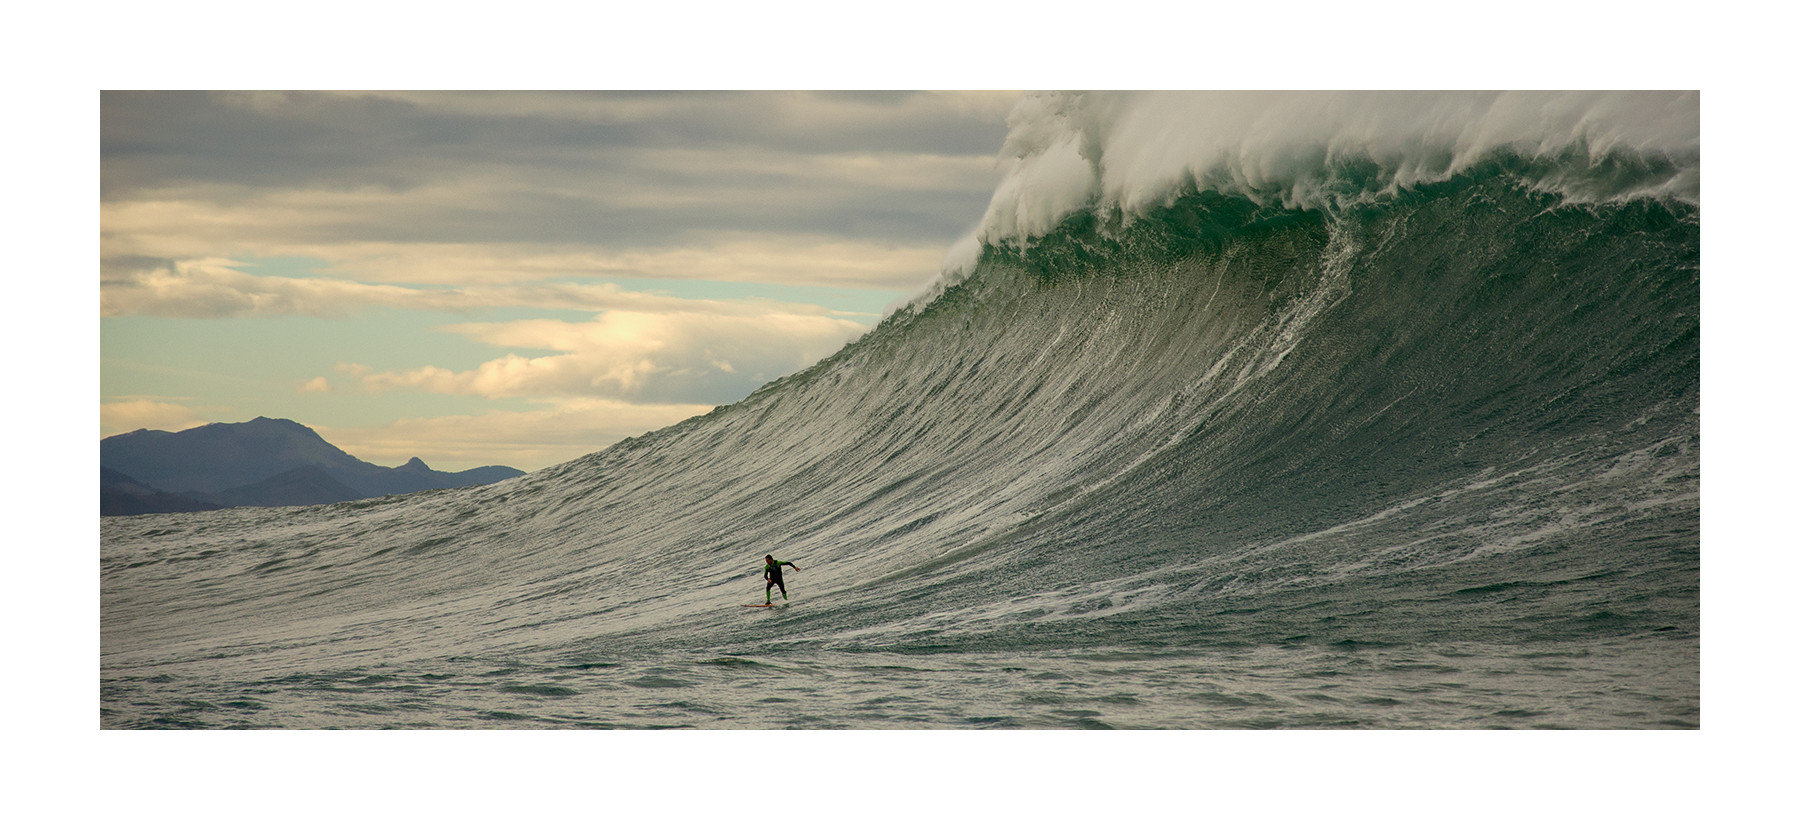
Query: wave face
(1188, 459)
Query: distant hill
(121, 494)
(263, 462)
(296, 487)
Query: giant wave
(1314, 374)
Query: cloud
(214, 288)
(247, 174)
(468, 203)
(534, 122)
(796, 260)
(459, 234)
(528, 440)
(219, 288)
(139, 414)
(680, 357)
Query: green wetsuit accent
(772, 574)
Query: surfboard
(756, 606)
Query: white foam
(1134, 151)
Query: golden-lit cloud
(144, 284)
(653, 357)
(219, 288)
(215, 288)
(529, 439)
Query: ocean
(1352, 411)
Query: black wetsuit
(772, 574)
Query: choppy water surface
(1598, 685)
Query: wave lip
(1135, 151)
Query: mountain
(263, 462)
(219, 457)
(121, 494)
(301, 486)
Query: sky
(515, 278)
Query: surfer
(772, 574)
